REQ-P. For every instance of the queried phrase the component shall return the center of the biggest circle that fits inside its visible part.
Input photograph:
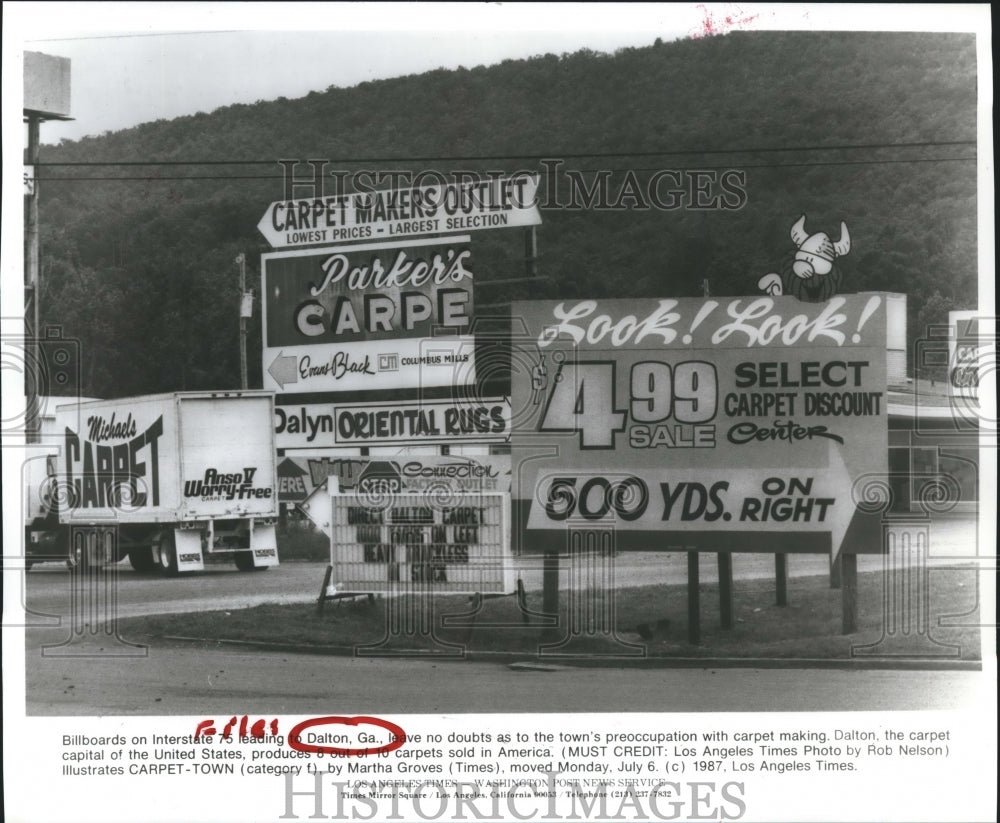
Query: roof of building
(928, 399)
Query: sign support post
(32, 375)
(725, 589)
(591, 597)
(694, 600)
(781, 579)
(242, 260)
(530, 252)
(849, 592)
(46, 97)
(906, 616)
(550, 592)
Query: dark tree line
(138, 261)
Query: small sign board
(419, 543)
(416, 524)
(294, 484)
(971, 351)
(430, 422)
(436, 473)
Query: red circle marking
(295, 735)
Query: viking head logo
(816, 251)
(810, 272)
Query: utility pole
(32, 375)
(46, 97)
(530, 252)
(246, 309)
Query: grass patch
(651, 616)
(302, 541)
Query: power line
(127, 36)
(552, 156)
(742, 166)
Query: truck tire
(107, 552)
(76, 556)
(87, 555)
(166, 556)
(244, 562)
(141, 559)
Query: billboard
(47, 89)
(377, 316)
(971, 344)
(432, 474)
(300, 475)
(736, 424)
(312, 425)
(415, 544)
(303, 476)
(467, 205)
(434, 522)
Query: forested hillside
(140, 228)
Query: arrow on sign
(495, 203)
(318, 507)
(837, 482)
(291, 481)
(282, 370)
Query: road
(192, 680)
(48, 583)
(85, 678)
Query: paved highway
(186, 680)
(48, 583)
(110, 678)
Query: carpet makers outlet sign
(727, 425)
(373, 316)
(380, 215)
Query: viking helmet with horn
(817, 252)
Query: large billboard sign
(736, 424)
(442, 208)
(378, 316)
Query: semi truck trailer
(165, 479)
